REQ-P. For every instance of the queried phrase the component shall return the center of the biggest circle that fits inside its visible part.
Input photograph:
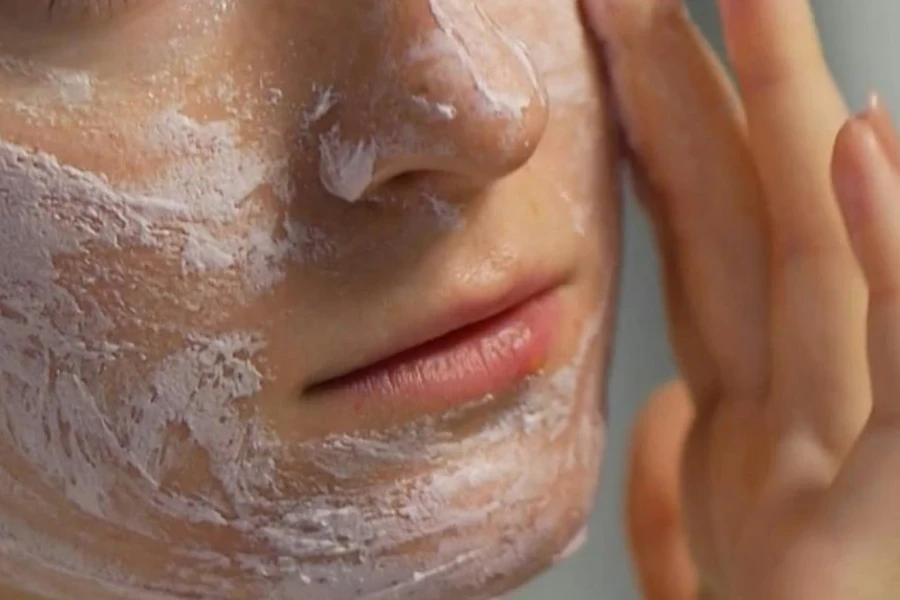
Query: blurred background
(862, 42)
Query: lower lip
(480, 359)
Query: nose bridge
(468, 44)
(453, 93)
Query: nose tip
(464, 100)
(495, 106)
(501, 103)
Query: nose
(450, 94)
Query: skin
(535, 191)
(770, 469)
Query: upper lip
(459, 315)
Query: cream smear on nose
(457, 46)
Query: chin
(505, 503)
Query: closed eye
(62, 11)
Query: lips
(480, 349)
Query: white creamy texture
(444, 111)
(326, 99)
(74, 89)
(458, 49)
(346, 168)
(466, 43)
(206, 199)
(199, 390)
(107, 428)
(449, 216)
(469, 34)
(549, 412)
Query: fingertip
(656, 446)
(867, 186)
(864, 174)
(852, 150)
(654, 516)
(877, 243)
(668, 410)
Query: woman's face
(298, 299)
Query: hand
(772, 471)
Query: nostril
(408, 179)
(356, 172)
(401, 185)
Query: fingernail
(880, 119)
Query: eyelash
(83, 9)
(44, 16)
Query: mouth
(479, 350)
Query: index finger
(686, 129)
(794, 112)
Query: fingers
(654, 519)
(685, 128)
(794, 111)
(695, 363)
(867, 178)
(860, 513)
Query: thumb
(654, 517)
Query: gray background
(861, 37)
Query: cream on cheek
(102, 428)
(96, 421)
(462, 496)
(455, 499)
(99, 423)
